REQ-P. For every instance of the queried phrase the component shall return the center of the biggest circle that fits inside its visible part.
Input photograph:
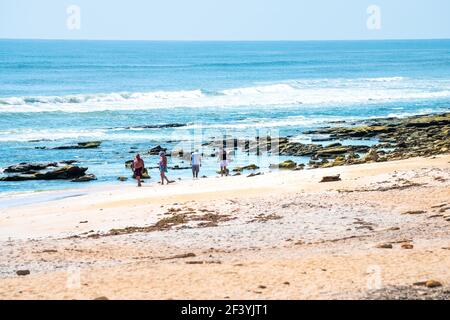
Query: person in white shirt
(196, 163)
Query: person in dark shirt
(138, 168)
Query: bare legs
(138, 178)
(195, 171)
(223, 170)
(163, 177)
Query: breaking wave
(311, 92)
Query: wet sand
(281, 235)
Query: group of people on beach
(138, 165)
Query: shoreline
(211, 188)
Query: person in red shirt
(138, 168)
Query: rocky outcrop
(157, 126)
(397, 139)
(403, 138)
(338, 149)
(428, 121)
(67, 172)
(79, 145)
(287, 165)
(128, 163)
(331, 178)
(85, 178)
(248, 167)
(29, 168)
(372, 155)
(353, 132)
(298, 149)
(156, 150)
(63, 173)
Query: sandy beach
(279, 235)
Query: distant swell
(309, 92)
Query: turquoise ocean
(55, 93)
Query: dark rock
(288, 164)
(85, 178)
(298, 149)
(254, 174)
(334, 145)
(428, 121)
(22, 177)
(29, 167)
(332, 152)
(177, 167)
(80, 145)
(331, 178)
(50, 251)
(156, 150)
(23, 272)
(433, 284)
(158, 126)
(249, 167)
(415, 212)
(181, 256)
(354, 132)
(62, 173)
(66, 172)
(128, 163)
(68, 161)
(384, 246)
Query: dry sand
(281, 235)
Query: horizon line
(227, 40)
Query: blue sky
(225, 19)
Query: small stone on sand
(23, 272)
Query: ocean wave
(410, 114)
(297, 121)
(311, 92)
(24, 135)
(140, 133)
(386, 79)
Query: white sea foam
(309, 92)
(49, 135)
(386, 79)
(409, 114)
(297, 121)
